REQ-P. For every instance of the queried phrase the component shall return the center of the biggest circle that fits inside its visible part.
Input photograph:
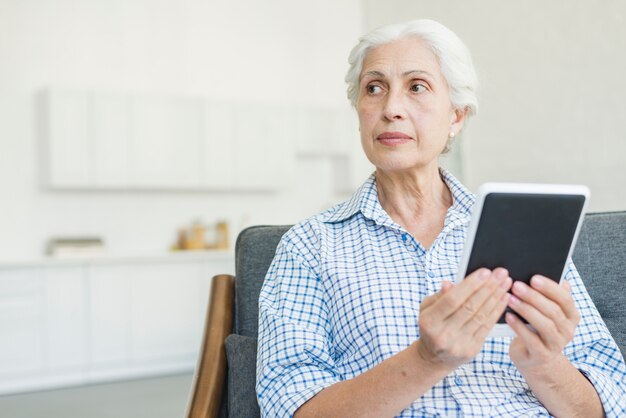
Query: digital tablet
(526, 228)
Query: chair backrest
(254, 251)
(600, 257)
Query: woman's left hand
(550, 310)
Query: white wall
(552, 91)
(277, 51)
(551, 97)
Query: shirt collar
(365, 200)
(462, 198)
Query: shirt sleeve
(294, 360)
(594, 352)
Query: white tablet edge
(503, 330)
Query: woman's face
(405, 113)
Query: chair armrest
(210, 375)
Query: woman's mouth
(392, 139)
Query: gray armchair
(225, 377)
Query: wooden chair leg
(210, 375)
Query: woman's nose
(394, 106)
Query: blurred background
(132, 128)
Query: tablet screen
(526, 233)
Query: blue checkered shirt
(343, 294)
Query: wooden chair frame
(210, 375)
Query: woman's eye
(373, 89)
(418, 88)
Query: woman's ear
(457, 119)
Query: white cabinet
(326, 132)
(109, 299)
(166, 135)
(111, 140)
(263, 147)
(334, 134)
(21, 312)
(119, 140)
(145, 312)
(108, 140)
(218, 147)
(67, 323)
(67, 130)
(164, 313)
(65, 317)
(248, 147)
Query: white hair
(453, 56)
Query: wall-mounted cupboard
(122, 140)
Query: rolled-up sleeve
(294, 359)
(595, 353)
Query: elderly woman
(358, 315)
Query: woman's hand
(455, 322)
(549, 309)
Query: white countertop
(111, 258)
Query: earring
(451, 134)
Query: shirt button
(404, 238)
(458, 381)
(431, 274)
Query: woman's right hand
(454, 322)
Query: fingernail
(537, 281)
(484, 273)
(498, 277)
(513, 300)
(510, 317)
(519, 287)
(506, 283)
